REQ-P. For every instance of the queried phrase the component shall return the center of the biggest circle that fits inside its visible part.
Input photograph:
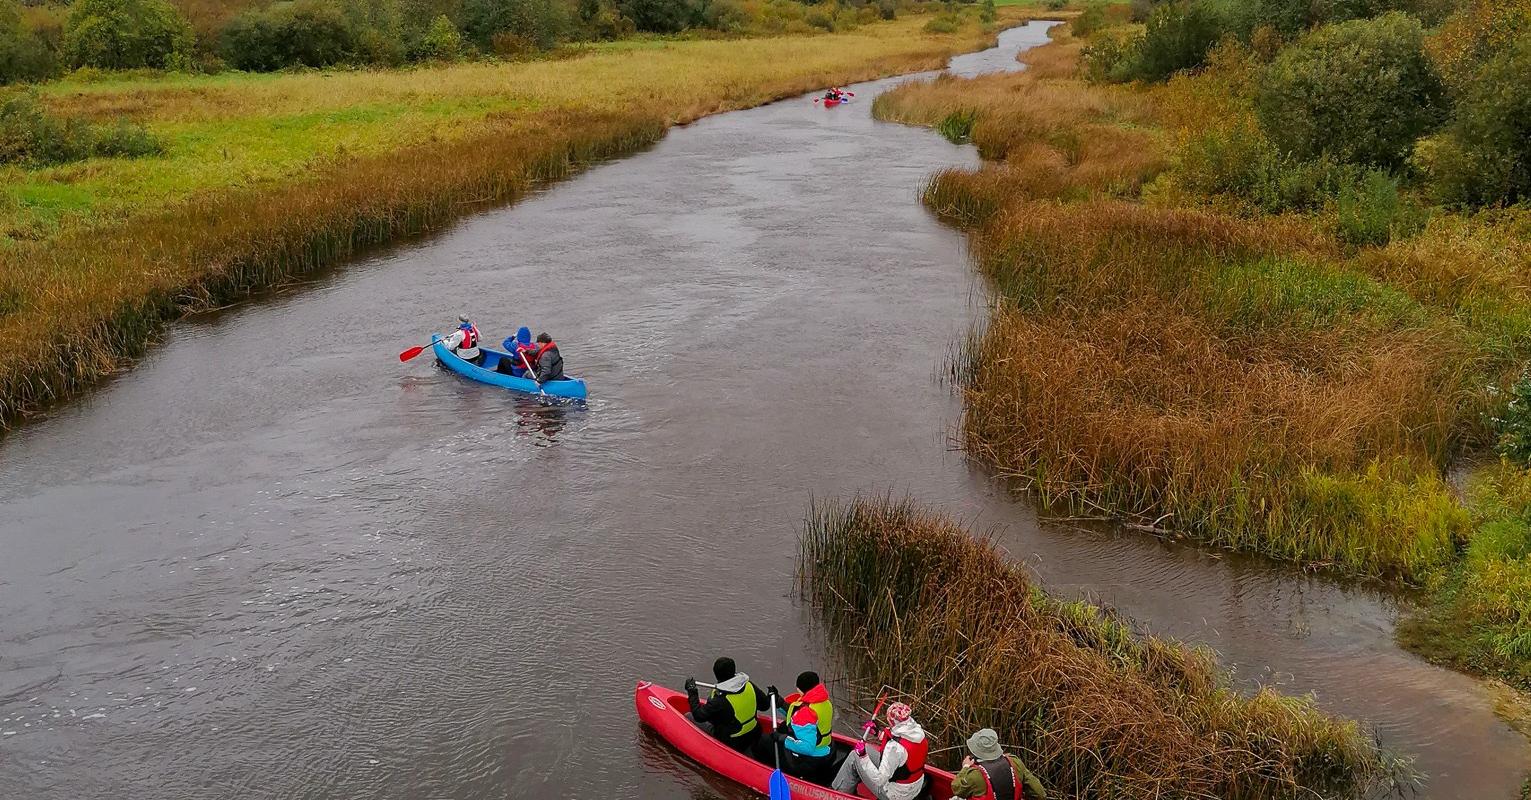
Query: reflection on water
(327, 574)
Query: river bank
(267, 177)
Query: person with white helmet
(464, 341)
(897, 772)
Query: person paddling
(730, 711)
(463, 342)
(519, 347)
(898, 771)
(990, 774)
(546, 360)
(805, 739)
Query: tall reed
(1095, 708)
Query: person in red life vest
(731, 711)
(897, 772)
(464, 341)
(990, 774)
(546, 360)
(806, 750)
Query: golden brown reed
(1095, 708)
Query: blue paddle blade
(780, 790)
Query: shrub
(944, 23)
(1484, 155)
(440, 42)
(1474, 34)
(1368, 209)
(1362, 91)
(541, 22)
(887, 9)
(1056, 5)
(30, 136)
(23, 54)
(1512, 426)
(1178, 37)
(661, 16)
(1105, 58)
(987, 12)
(1092, 19)
(311, 33)
(127, 34)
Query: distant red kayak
(664, 711)
(830, 103)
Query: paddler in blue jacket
(805, 737)
(730, 711)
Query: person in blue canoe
(464, 341)
(545, 360)
(520, 348)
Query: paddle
(780, 789)
(533, 373)
(413, 351)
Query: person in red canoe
(464, 341)
(990, 774)
(730, 711)
(804, 739)
(898, 771)
(547, 364)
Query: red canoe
(828, 103)
(664, 711)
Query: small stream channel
(273, 562)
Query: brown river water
(273, 562)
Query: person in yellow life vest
(729, 713)
(804, 737)
(990, 774)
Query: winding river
(273, 562)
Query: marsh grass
(1094, 707)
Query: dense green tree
(312, 33)
(1361, 91)
(126, 34)
(1484, 155)
(23, 55)
(541, 22)
(662, 16)
(1178, 37)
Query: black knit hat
(723, 668)
(807, 680)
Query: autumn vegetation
(1091, 705)
(1262, 277)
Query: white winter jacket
(879, 778)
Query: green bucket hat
(984, 745)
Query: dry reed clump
(1094, 708)
(1147, 412)
(126, 282)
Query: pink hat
(899, 712)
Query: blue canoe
(568, 387)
